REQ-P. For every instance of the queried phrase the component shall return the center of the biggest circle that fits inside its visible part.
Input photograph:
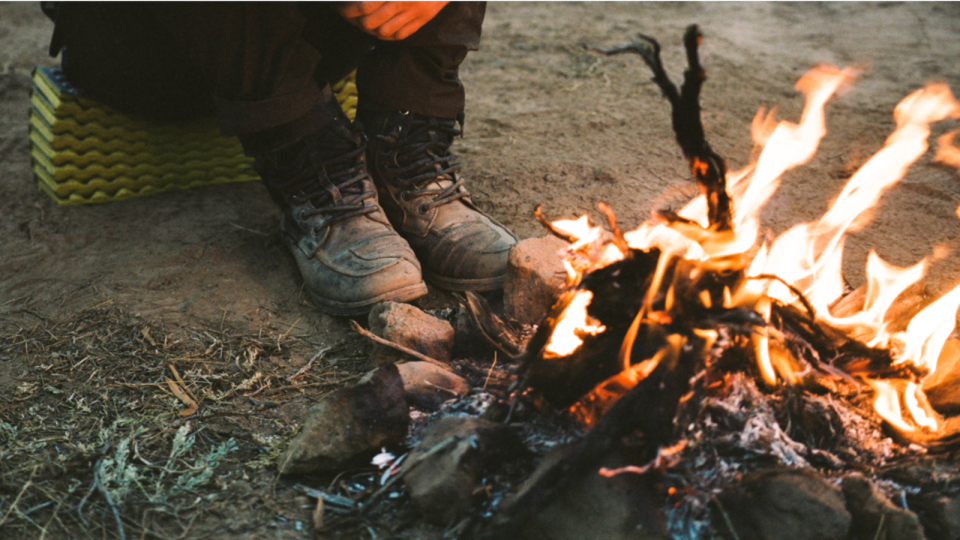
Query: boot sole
(349, 309)
(463, 285)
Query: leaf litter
(115, 427)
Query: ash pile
(681, 380)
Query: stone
(874, 516)
(406, 325)
(943, 386)
(535, 277)
(443, 471)
(428, 385)
(792, 504)
(350, 425)
(939, 514)
(468, 340)
(622, 507)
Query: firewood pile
(681, 383)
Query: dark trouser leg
(410, 94)
(118, 55)
(420, 73)
(263, 75)
(246, 62)
(341, 44)
(259, 67)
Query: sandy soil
(546, 123)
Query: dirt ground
(201, 275)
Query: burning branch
(708, 167)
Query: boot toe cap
(471, 256)
(347, 279)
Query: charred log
(708, 167)
(648, 408)
(619, 290)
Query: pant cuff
(277, 137)
(244, 117)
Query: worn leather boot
(422, 193)
(349, 255)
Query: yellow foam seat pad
(86, 152)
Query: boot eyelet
(405, 196)
(423, 209)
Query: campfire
(716, 377)
(695, 283)
(691, 305)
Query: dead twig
(395, 346)
(285, 334)
(803, 299)
(276, 391)
(494, 364)
(307, 367)
(708, 167)
(726, 518)
(98, 486)
(491, 327)
(550, 228)
(19, 496)
(883, 518)
(618, 239)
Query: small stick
(307, 367)
(883, 517)
(618, 238)
(291, 387)
(19, 495)
(183, 384)
(549, 226)
(285, 334)
(803, 299)
(262, 404)
(106, 495)
(98, 485)
(395, 346)
(726, 518)
(487, 380)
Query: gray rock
(623, 507)
(428, 385)
(442, 473)
(939, 514)
(874, 516)
(406, 325)
(350, 425)
(784, 505)
(535, 277)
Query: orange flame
(808, 257)
(948, 153)
(572, 324)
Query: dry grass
(114, 427)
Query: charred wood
(649, 407)
(708, 167)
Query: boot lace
(425, 163)
(332, 176)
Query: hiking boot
(348, 254)
(423, 195)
